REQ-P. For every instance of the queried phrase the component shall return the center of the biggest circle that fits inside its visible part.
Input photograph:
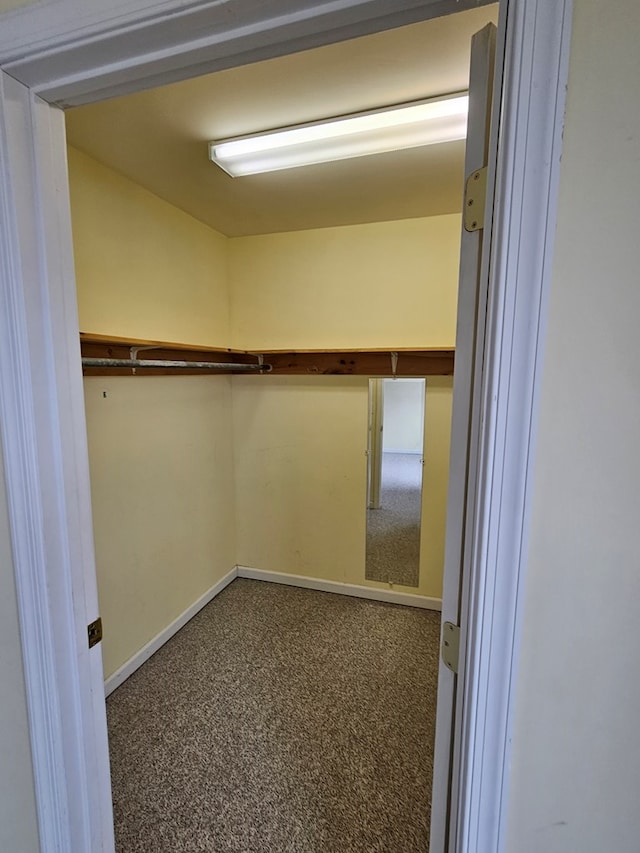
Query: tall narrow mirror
(394, 480)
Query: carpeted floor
(280, 720)
(393, 531)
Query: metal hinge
(475, 196)
(94, 630)
(450, 645)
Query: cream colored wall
(144, 269)
(160, 447)
(160, 451)
(300, 472)
(300, 477)
(575, 770)
(18, 818)
(403, 415)
(386, 284)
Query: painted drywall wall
(18, 818)
(300, 473)
(403, 415)
(162, 494)
(300, 477)
(386, 284)
(575, 769)
(144, 269)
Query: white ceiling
(159, 137)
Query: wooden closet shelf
(362, 362)
(347, 362)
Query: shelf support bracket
(394, 364)
(133, 355)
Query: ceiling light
(389, 129)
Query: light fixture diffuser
(390, 129)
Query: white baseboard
(391, 596)
(160, 639)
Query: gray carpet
(393, 531)
(280, 720)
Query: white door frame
(485, 84)
(62, 55)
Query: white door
(470, 346)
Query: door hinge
(475, 196)
(450, 645)
(94, 630)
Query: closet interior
(229, 341)
(195, 471)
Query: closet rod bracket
(133, 355)
(394, 365)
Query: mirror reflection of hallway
(394, 478)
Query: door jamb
(529, 145)
(535, 74)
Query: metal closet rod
(174, 365)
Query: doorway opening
(252, 408)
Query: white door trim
(535, 74)
(26, 512)
(485, 91)
(47, 479)
(41, 419)
(71, 53)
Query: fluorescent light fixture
(390, 129)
